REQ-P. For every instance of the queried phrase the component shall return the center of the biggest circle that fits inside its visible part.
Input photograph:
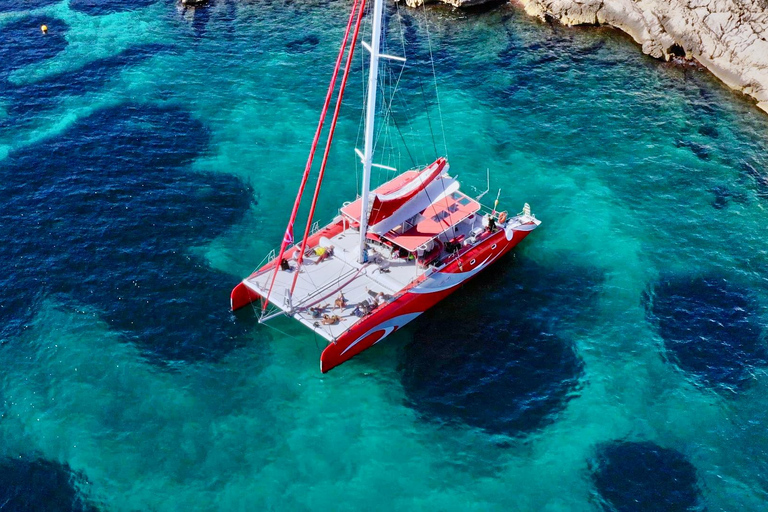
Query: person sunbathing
(378, 298)
(362, 309)
(318, 310)
(324, 253)
(340, 302)
(330, 319)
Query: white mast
(370, 115)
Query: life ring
(502, 217)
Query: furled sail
(386, 203)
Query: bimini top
(415, 207)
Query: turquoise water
(149, 158)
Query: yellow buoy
(44, 28)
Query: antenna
(487, 183)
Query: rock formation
(728, 37)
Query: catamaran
(389, 255)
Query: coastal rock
(728, 37)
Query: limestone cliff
(728, 37)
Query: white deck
(319, 284)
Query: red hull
(241, 295)
(417, 299)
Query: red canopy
(385, 204)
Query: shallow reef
(503, 376)
(104, 215)
(23, 42)
(27, 100)
(492, 358)
(643, 476)
(13, 5)
(41, 485)
(710, 328)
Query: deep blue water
(148, 159)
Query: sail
(386, 203)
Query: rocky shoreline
(728, 37)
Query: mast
(370, 115)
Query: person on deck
(324, 253)
(330, 319)
(318, 310)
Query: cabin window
(472, 262)
(408, 224)
(461, 198)
(493, 246)
(440, 216)
(453, 208)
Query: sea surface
(149, 158)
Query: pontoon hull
(418, 298)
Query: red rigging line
(288, 237)
(327, 151)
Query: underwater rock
(643, 476)
(702, 152)
(40, 485)
(760, 179)
(303, 44)
(709, 328)
(722, 194)
(105, 214)
(501, 366)
(709, 131)
(725, 36)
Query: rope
(434, 76)
(429, 120)
(327, 151)
(283, 332)
(407, 149)
(288, 236)
(304, 307)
